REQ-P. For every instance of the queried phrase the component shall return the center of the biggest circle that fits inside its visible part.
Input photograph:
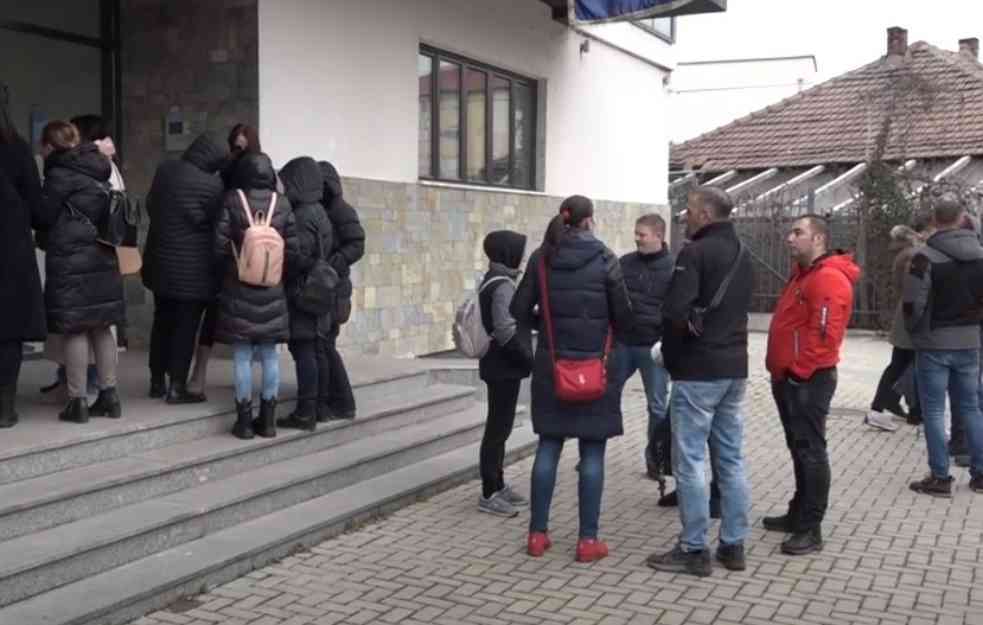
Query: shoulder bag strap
(245, 207)
(722, 289)
(544, 304)
(269, 211)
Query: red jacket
(810, 319)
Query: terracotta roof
(937, 99)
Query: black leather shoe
(244, 420)
(179, 394)
(265, 424)
(77, 411)
(302, 418)
(801, 543)
(679, 561)
(731, 556)
(106, 405)
(778, 524)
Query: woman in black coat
(587, 297)
(83, 289)
(309, 333)
(21, 299)
(253, 319)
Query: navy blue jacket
(647, 278)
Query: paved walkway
(891, 556)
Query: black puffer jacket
(647, 278)
(250, 314)
(587, 295)
(183, 202)
(304, 186)
(22, 315)
(349, 236)
(83, 289)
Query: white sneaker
(880, 421)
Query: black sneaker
(778, 524)
(976, 484)
(934, 486)
(731, 556)
(801, 543)
(679, 561)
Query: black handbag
(317, 291)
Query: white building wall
(338, 81)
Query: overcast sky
(842, 34)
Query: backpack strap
(493, 280)
(269, 211)
(245, 207)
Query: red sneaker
(538, 543)
(591, 549)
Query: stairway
(101, 527)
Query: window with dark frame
(477, 122)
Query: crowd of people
(214, 213)
(684, 321)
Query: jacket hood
(85, 159)
(576, 250)
(842, 261)
(302, 181)
(332, 182)
(254, 170)
(207, 154)
(505, 247)
(962, 245)
(901, 237)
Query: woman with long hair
(21, 300)
(587, 300)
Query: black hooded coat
(304, 186)
(22, 315)
(511, 360)
(246, 313)
(349, 236)
(182, 205)
(83, 289)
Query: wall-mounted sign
(181, 128)
(599, 11)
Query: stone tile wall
(424, 252)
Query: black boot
(8, 416)
(106, 405)
(179, 394)
(304, 417)
(244, 420)
(158, 387)
(801, 543)
(77, 411)
(265, 424)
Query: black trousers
(172, 337)
(340, 399)
(11, 357)
(313, 363)
(803, 408)
(502, 398)
(206, 338)
(886, 396)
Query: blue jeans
(242, 356)
(958, 372)
(590, 485)
(701, 413)
(625, 361)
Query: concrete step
(148, 424)
(123, 594)
(43, 502)
(37, 562)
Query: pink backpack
(261, 261)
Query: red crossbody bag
(574, 381)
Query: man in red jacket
(804, 341)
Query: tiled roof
(936, 96)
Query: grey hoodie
(942, 292)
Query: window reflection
(476, 90)
(449, 93)
(424, 69)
